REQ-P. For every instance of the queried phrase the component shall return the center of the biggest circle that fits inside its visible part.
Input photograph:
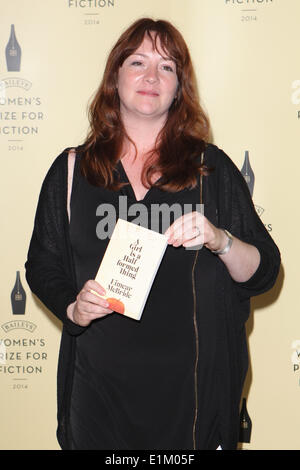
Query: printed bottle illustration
(13, 52)
(247, 173)
(245, 424)
(18, 297)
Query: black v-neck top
(174, 379)
(134, 381)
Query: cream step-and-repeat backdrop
(246, 55)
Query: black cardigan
(51, 276)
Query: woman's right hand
(88, 305)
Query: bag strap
(71, 163)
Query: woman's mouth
(148, 93)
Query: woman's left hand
(194, 229)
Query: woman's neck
(144, 133)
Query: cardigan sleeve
(240, 217)
(49, 266)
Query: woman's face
(147, 83)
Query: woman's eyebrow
(146, 55)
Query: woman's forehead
(151, 42)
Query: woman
(173, 380)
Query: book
(129, 266)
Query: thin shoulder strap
(71, 163)
(201, 180)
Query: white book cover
(129, 266)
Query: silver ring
(198, 231)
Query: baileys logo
(22, 354)
(13, 52)
(249, 176)
(18, 307)
(19, 115)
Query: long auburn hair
(181, 140)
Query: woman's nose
(151, 75)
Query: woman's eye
(136, 62)
(168, 68)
